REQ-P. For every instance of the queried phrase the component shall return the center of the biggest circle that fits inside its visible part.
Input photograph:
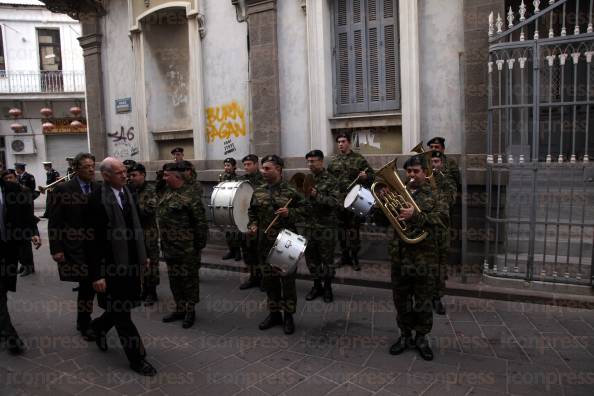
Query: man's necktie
(87, 188)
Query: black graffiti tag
(121, 135)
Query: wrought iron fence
(42, 82)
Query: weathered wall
(441, 39)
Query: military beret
(315, 153)
(343, 135)
(437, 154)
(19, 165)
(250, 157)
(415, 160)
(177, 150)
(230, 161)
(274, 159)
(137, 168)
(187, 165)
(174, 167)
(436, 140)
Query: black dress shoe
(248, 284)
(189, 319)
(328, 295)
(21, 269)
(288, 324)
(100, 336)
(150, 299)
(143, 367)
(316, 291)
(15, 345)
(438, 306)
(238, 255)
(174, 316)
(356, 265)
(229, 255)
(422, 345)
(27, 271)
(403, 343)
(88, 334)
(273, 319)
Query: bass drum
(359, 200)
(229, 204)
(286, 252)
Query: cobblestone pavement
(482, 347)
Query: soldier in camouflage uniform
(250, 244)
(415, 266)
(269, 200)
(183, 229)
(323, 203)
(233, 238)
(146, 198)
(446, 192)
(347, 166)
(450, 165)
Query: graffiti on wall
(124, 146)
(225, 122)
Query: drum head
(241, 204)
(352, 196)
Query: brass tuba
(395, 199)
(429, 170)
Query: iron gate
(540, 194)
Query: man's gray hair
(107, 163)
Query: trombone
(51, 186)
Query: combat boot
(315, 291)
(189, 319)
(422, 345)
(328, 296)
(403, 342)
(288, 324)
(273, 319)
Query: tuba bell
(427, 154)
(397, 197)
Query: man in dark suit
(17, 224)
(117, 258)
(26, 179)
(67, 232)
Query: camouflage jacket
(451, 166)
(346, 167)
(446, 189)
(267, 199)
(182, 222)
(322, 208)
(255, 178)
(228, 177)
(195, 185)
(146, 197)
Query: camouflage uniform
(183, 229)
(233, 238)
(451, 167)
(250, 244)
(320, 229)
(346, 167)
(146, 197)
(415, 266)
(267, 199)
(446, 193)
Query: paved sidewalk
(482, 347)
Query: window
(2, 59)
(366, 56)
(50, 60)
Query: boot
(230, 254)
(237, 254)
(438, 306)
(150, 297)
(189, 318)
(27, 271)
(288, 324)
(328, 296)
(356, 266)
(315, 291)
(251, 282)
(422, 345)
(404, 342)
(174, 316)
(273, 319)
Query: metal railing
(41, 82)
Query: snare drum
(286, 252)
(229, 204)
(359, 200)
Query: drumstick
(273, 222)
(357, 178)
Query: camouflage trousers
(414, 278)
(280, 290)
(184, 280)
(319, 254)
(233, 239)
(443, 253)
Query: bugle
(51, 186)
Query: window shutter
(390, 54)
(374, 55)
(343, 86)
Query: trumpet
(51, 186)
(396, 198)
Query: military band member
(250, 244)
(183, 229)
(178, 154)
(323, 202)
(450, 165)
(233, 238)
(269, 200)
(129, 164)
(347, 166)
(414, 266)
(146, 198)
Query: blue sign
(123, 105)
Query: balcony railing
(41, 82)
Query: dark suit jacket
(115, 252)
(67, 230)
(20, 224)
